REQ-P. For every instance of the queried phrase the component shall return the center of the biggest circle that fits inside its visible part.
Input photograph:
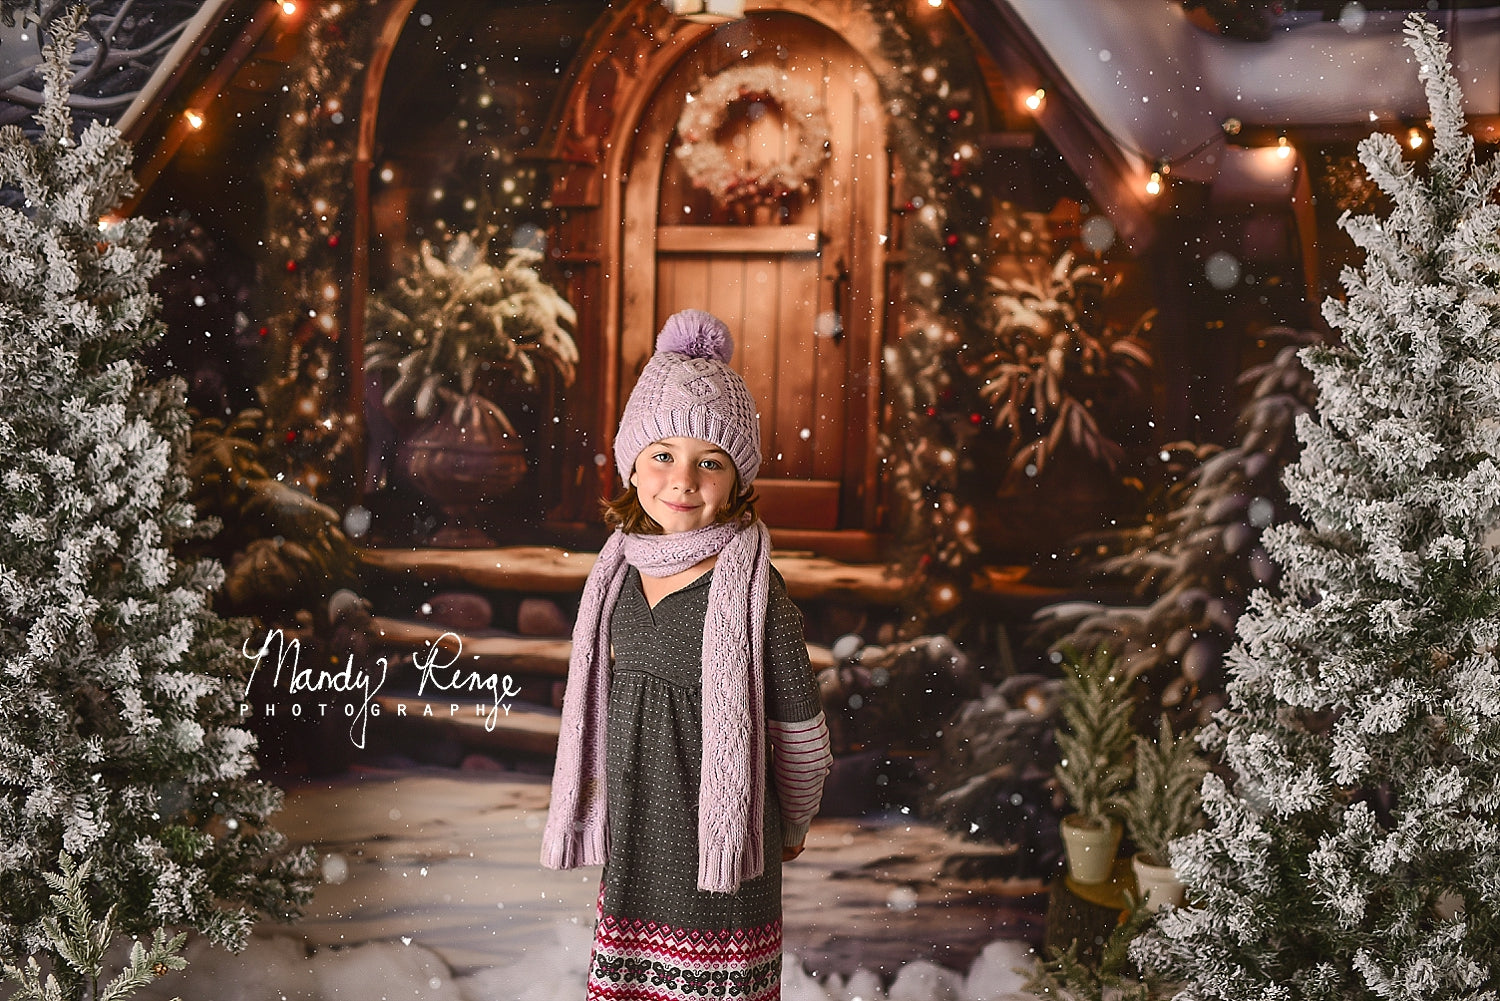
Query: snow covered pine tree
(118, 741)
(1355, 855)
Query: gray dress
(658, 935)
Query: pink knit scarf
(731, 790)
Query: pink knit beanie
(688, 390)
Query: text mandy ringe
(365, 686)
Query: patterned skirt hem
(651, 961)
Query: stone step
(509, 654)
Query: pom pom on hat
(697, 334)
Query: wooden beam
(1485, 128)
(737, 240)
(359, 267)
(1110, 174)
(551, 570)
(202, 101)
(173, 67)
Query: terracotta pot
(1090, 850)
(468, 457)
(1159, 886)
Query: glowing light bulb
(1415, 139)
(1035, 98)
(1153, 186)
(194, 118)
(1283, 148)
(935, 4)
(288, 7)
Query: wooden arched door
(800, 284)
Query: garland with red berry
(304, 302)
(933, 412)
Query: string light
(1153, 185)
(935, 4)
(1414, 138)
(1035, 98)
(194, 118)
(288, 7)
(1283, 148)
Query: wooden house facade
(811, 281)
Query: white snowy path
(432, 890)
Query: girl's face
(683, 483)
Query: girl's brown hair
(626, 514)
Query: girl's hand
(789, 852)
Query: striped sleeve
(800, 760)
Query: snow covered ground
(431, 889)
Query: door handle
(833, 327)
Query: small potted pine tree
(1095, 765)
(1164, 804)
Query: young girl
(688, 658)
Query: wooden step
(519, 730)
(519, 655)
(550, 570)
(516, 655)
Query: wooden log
(516, 655)
(550, 570)
(543, 569)
(508, 653)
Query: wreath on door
(707, 161)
